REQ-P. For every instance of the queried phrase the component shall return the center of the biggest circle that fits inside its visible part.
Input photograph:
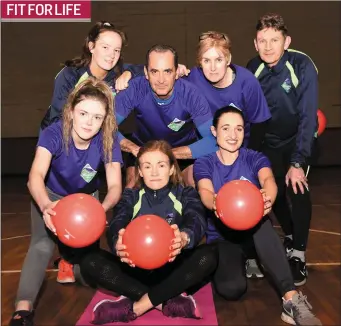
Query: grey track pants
(39, 254)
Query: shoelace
(66, 267)
(252, 263)
(303, 306)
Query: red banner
(45, 10)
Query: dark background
(32, 53)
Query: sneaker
(252, 269)
(22, 318)
(288, 246)
(65, 272)
(298, 270)
(297, 311)
(181, 306)
(117, 310)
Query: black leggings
(189, 269)
(294, 221)
(229, 280)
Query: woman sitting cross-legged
(160, 192)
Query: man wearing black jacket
(289, 81)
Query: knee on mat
(230, 291)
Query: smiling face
(87, 119)
(105, 51)
(229, 131)
(155, 169)
(271, 44)
(161, 73)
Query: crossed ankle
(181, 306)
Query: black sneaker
(298, 270)
(288, 246)
(22, 318)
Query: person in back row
(224, 83)
(289, 82)
(165, 108)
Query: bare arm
(182, 152)
(268, 183)
(36, 183)
(113, 176)
(206, 192)
(269, 188)
(128, 146)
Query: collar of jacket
(159, 194)
(281, 63)
(109, 78)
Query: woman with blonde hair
(68, 156)
(158, 191)
(226, 84)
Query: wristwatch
(296, 165)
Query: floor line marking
(324, 264)
(275, 226)
(16, 237)
(317, 231)
(13, 271)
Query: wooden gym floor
(63, 304)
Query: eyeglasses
(214, 35)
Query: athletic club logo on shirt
(287, 85)
(176, 124)
(243, 178)
(88, 173)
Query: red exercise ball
(148, 239)
(322, 122)
(79, 221)
(240, 205)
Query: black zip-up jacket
(176, 204)
(67, 79)
(291, 90)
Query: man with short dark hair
(289, 81)
(165, 108)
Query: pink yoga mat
(203, 298)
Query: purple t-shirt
(76, 171)
(245, 93)
(245, 167)
(177, 121)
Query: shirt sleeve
(199, 108)
(116, 151)
(51, 139)
(125, 102)
(136, 70)
(202, 118)
(307, 107)
(257, 161)
(255, 102)
(203, 169)
(206, 145)
(65, 81)
(193, 213)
